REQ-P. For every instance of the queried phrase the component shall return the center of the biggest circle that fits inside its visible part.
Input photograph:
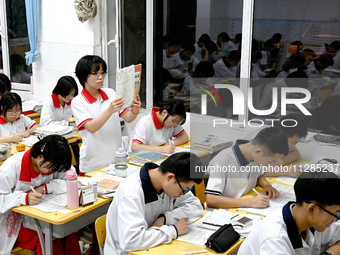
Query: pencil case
(223, 238)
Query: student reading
(43, 168)
(308, 226)
(154, 205)
(14, 126)
(225, 188)
(159, 127)
(57, 108)
(96, 114)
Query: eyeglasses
(14, 112)
(184, 191)
(99, 74)
(69, 96)
(337, 217)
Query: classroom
(165, 117)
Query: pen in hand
(33, 189)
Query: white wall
(63, 40)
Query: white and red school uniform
(99, 148)
(53, 113)
(16, 177)
(20, 125)
(151, 132)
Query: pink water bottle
(72, 189)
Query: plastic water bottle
(121, 163)
(72, 122)
(72, 189)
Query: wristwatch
(325, 253)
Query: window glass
(299, 47)
(18, 41)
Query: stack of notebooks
(211, 143)
(53, 129)
(141, 157)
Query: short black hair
(55, 150)
(183, 165)
(288, 128)
(87, 65)
(322, 187)
(225, 37)
(205, 69)
(234, 55)
(65, 85)
(204, 38)
(273, 139)
(8, 101)
(5, 84)
(173, 107)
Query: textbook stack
(211, 143)
(53, 129)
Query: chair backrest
(100, 226)
(200, 192)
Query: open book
(128, 83)
(147, 156)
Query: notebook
(147, 156)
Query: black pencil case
(223, 238)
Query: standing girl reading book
(57, 108)
(14, 126)
(159, 128)
(43, 168)
(97, 111)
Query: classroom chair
(19, 250)
(100, 226)
(200, 192)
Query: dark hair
(322, 187)
(55, 150)
(210, 46)
(204, 38)
(173, 108)
(183, 165)
(65, 85)
(301, 125)
(335, 45)
(238, 37)
(225, 37)
(326, 59)
(8, 101)
(234, 55)
(298, 79)
(205, 69)
(189, 47)
(299, 46)
(87, 65)
(273, 139)
(5, 84)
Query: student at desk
(97, 112)
(57, 108)
(153, 206)
(295, 128)
(243, 170)
(43, 168)
(159, 127)
(308, 226)
(14, 126)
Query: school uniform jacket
(222, 71)
(277, 234)
(53, 113)
(20, 125)
(16, 177)
(137, 206)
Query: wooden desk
(59, 225)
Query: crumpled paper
(85, 9)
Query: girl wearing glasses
(159, 128)
(57, 108)
(97, 111)
(14, 126)
(24, 177)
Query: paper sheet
(52, 203)
(286, 194)
(286, 180)
(196, 235)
